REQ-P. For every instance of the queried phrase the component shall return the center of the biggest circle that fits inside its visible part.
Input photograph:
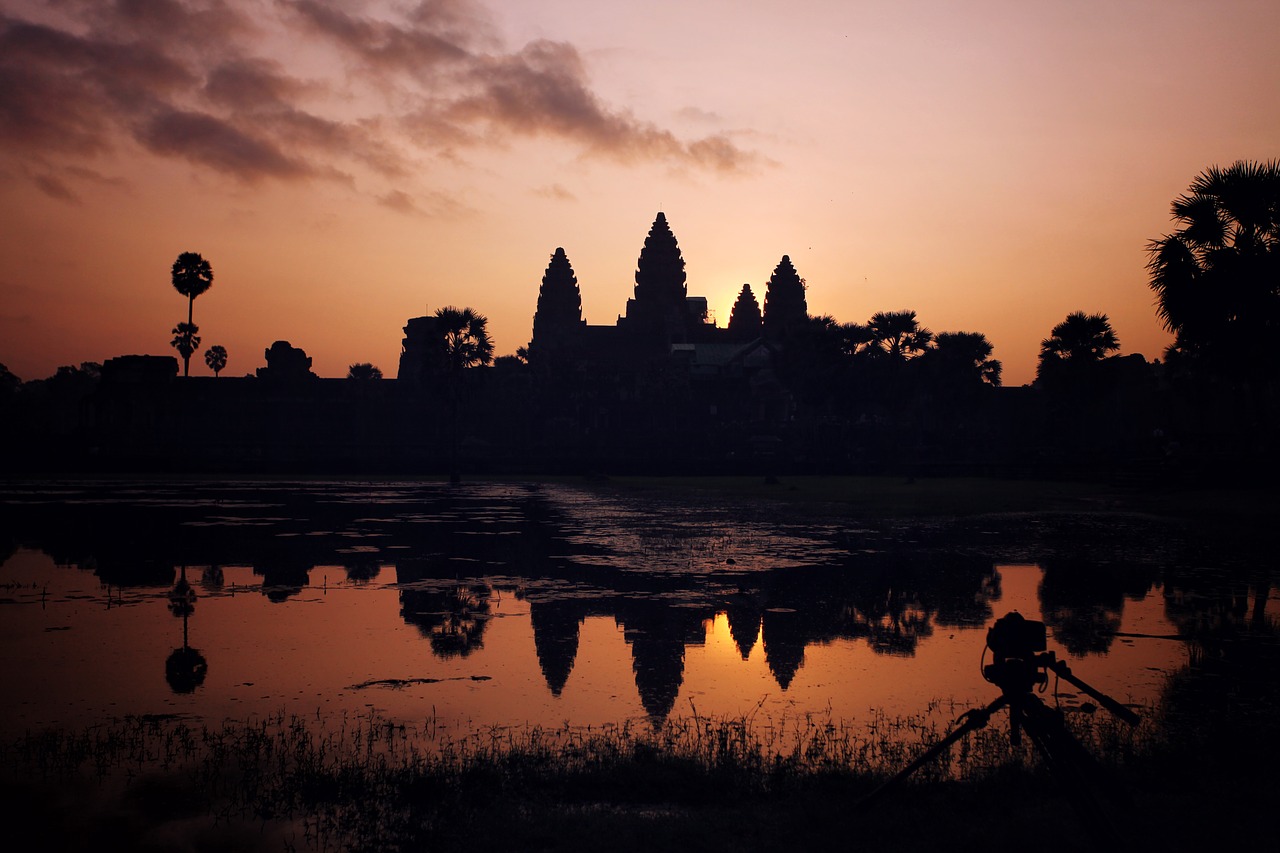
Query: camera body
(1018, 650)
(1012, 636)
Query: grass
(285, 782)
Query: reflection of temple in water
(658, 634)
(555, 638)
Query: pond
(517, 604)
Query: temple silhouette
(664, 389)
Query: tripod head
(1021, 662)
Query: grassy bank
(287, 783)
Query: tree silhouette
(898, 334)
(216, 358)
(1075, 345)
(363, 371)
(965, 357)
(784, 302)
(1217, 278)
(191, 277)
(185, 341)
(745, 321)
(463, 338)
(462, 341)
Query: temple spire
(559, 312)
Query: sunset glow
(346, 166)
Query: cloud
(555, 191)
(53, 187)
(217, 144)
(301, 90)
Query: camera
(1012, 636)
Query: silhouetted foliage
(191, 276)
(363, 371)
(216, 358)
(1075, 346)
(784, 300)
(898, 334)
(963, 358)
(286, 363)
(1217, 278)
(9, 383)
(463, 338)
(745, 321)
(185, 341)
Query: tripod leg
(973, 720)
(1075, 769)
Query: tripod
(1020, 665)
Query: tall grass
(369, 783)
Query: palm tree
(1217, 278)
(462, 342)
(185, 341)
(191, 276)
(966, 356)
(216, 358)
(1075, 346)
(463, 338)
(1081, 338)
(899, 334)
(364, 371)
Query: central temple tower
(661, 306)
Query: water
(515, 605)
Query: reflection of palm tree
(185, 668)
(1082, 602)
(191, 277)
(454, 620)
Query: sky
(992, 165)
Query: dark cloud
(252, 84)
(419, 47)
(213, 142)
(53, 187)
(206, 81)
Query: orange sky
(992, 165)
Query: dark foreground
(1199, 773)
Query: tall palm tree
(216, 358)
(899, 334)
(1217, 278)
(191, 277)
